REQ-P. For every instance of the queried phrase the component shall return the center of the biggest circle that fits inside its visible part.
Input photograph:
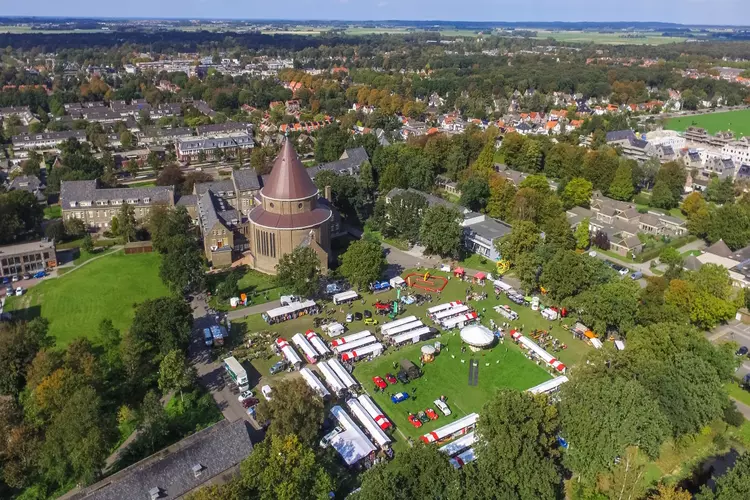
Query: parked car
(19, 291)
(636, 275)
(399, 397)
(208, 338)
(40, 274)
(371, 321)
(26, 276)
(592, 253)
(266, 391)
(431, 414)
(244, 395)
(443, 407)
(403, 377)
(328, 437)
(413, 420)
(15, 278)
(9, 290)
(391, 379)
(379, 382)
(6, 280)
(357, 316)
(368, 314)
(278, 367)
(250, 403)
(349, 318)
(742, 351)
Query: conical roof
(720, 248)
(289, 179)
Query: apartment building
(95, 206)
(27, 258)
(46, 139)
(190, 149)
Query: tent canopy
(477, 335)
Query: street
(734, 331)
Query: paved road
(743, 408)
(734, 331)
(249, 311)
(211, 372)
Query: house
(27, 258)
(180, 469)
(192, 149)
(156, 135)
(31, 184)
(479, 233)
(22, 112)
(95, 206)
(226, 128)
(349, 163)
(447, 185)
(46, 140)
(701, 136)
(720, 167)
(631, 146)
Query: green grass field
(259, 287)
(736, 121)
(504, 366)
(52, 212)
(75, 303)
(643, 38)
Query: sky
(731, 12)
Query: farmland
(736, 121)
(614, 38)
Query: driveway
(211, 373)
(734, 331)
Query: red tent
(459, 271)
(480, 275)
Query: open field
(503, 366)
(640, 38)
(260, 288)
(75, 303)
(736, 121)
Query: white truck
(237, 373)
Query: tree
(87, 245)
(230, 286)
(182, 267)
(294, 409)
(331, 143)
(582, 235)
(661, 196)
(299, 271)
(404, 216)
(577, 192)
(475, 193)
(693, 203)
(733, 484)
(730, 223)
(441, 231)
(163, 324)
(74, 228)
(622, 185)
(19, 344)
(518, 450)
(567, 275)
(126, 223)
(609, 306)
(671, 257)
(20, 214)
(706, 310)
(175, 373)
(165, 223)
(55, 230)
(417, 472)
(153, 419)
(531, 157)
(283, 468)
(557, 233)
(485, 164)
(110, 340)
(672, 174)
(523, 238)
(670, 492)
(171, 175)
(363, 263)
(502, 193)
(601, 418)
(720, 190)
(126, 139)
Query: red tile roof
(289, 179)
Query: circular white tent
(477, 336)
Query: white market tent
(548, 386)
(333, 381)
(354, 344)
(459, 320)
(334, 329)
(355, 354)
(343, 297)
(449, 313)
(619, 345)
(317, 343)
(404, 328)
(314, 382)
(413, 336)
(459, 445)
(372, 428)
(279, 312)
(501, 285)
(544, 355)
(289, 353)
(351, 338)
(306, 347)
(369, 405)
(341, 373)
(442, 307)
(460, 426)
(477, 335)
(352, 444)
(596, 343)
(464, 458)
(393, 324)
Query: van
(208, 338)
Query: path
(743, 408)
(106, 252)
(734, 331)
(256, 309)
(110, 461)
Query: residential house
(191, 149)
(701, 136)
(349, 163)
(222, 129)
(22, 112)
(31, 184)
(631, 146)
(156, 135)
(46, 140)
(447, 185)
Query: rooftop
(289, 179)
(27, 247)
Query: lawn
(636, 38)
(52, 212)
(259, 287)
(734, 390)
(395, 242)
(75, 303)
(736, 121)
(479, 263)
(502, 367)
